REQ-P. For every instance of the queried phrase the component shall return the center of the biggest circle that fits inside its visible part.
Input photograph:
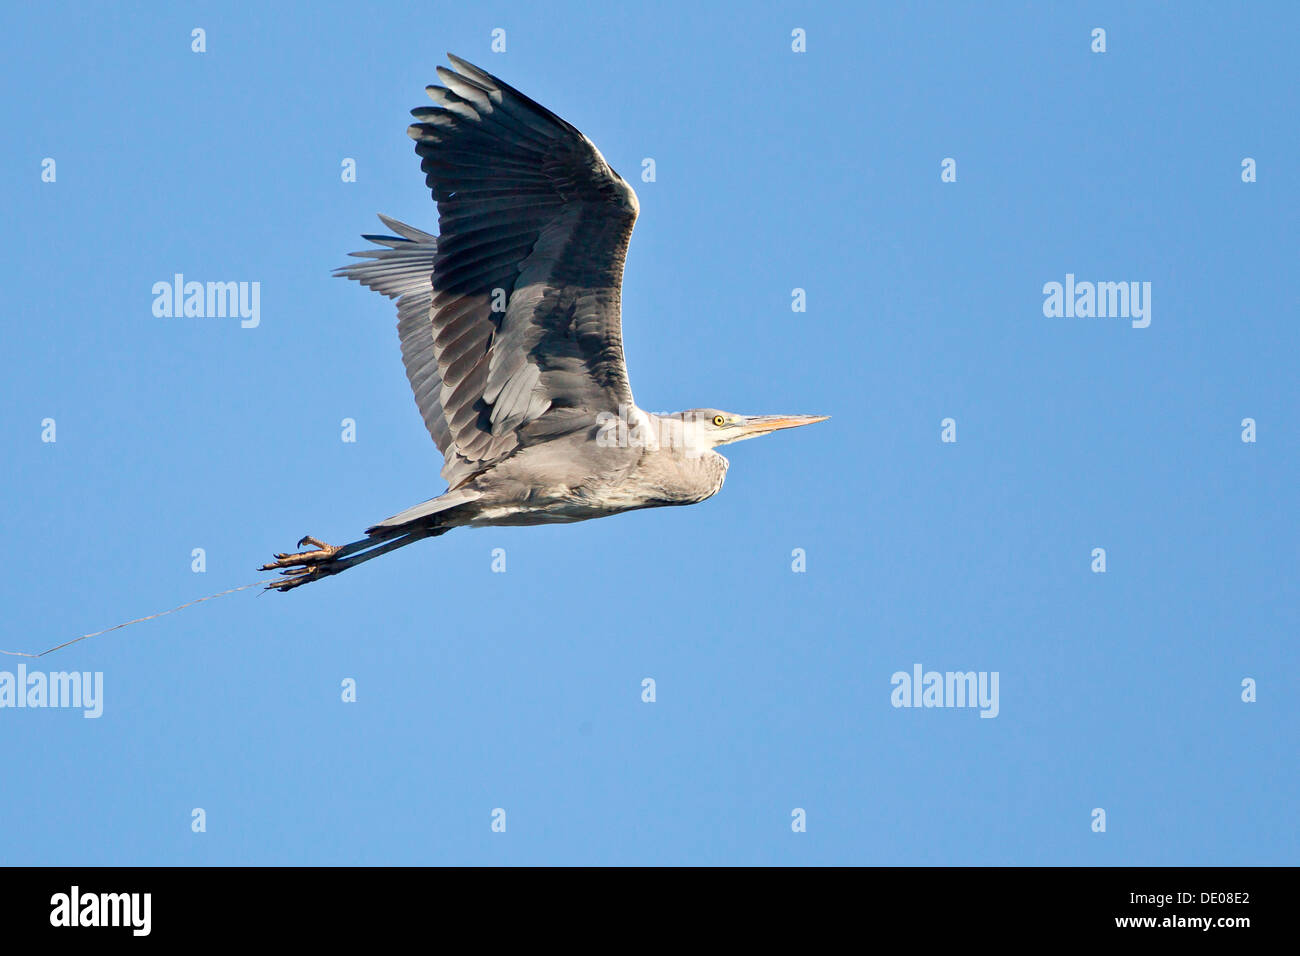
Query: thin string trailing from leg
(242, 587)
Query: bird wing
(523, 335)
(401, 269)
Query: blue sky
(521, 690)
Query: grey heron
(510, 329)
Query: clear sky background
(775, 170)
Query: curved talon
(328, 559)
(296, 577)
(305, 565)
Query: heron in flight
(511, 335)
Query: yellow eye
(719, 421)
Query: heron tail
(422, 513)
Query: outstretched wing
(524, 334)
(401, 269)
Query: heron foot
(304, 566)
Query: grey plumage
(510, 329)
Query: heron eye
(719, 421)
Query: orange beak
(756, 425)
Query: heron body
(511, 333)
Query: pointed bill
(756, 425)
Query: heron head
(715, 427)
